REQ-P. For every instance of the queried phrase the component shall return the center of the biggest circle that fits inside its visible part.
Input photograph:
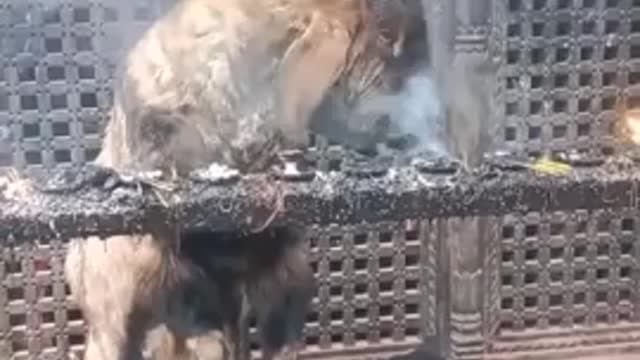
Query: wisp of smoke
(419, 112)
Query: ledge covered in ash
(99, 202)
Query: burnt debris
(100, 202)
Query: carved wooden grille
(565, 283)
(57, 60)
(36, 317)
(566, 270)
(570, 67)
(372, 281)
(563, 274)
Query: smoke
(419, 112)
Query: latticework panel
(566, 283)
(376, 295)
(570, 67)
(568, 280)
(37, 320)
(376, 288)
(57, 61)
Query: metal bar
(336, 199)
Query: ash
(215, 173)
(15, 187)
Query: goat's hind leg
(281, 293)
(117, 283)
(202, 314)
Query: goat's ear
(310, 67)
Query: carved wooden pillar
(465, 239)
(439, 15)
(459, 55)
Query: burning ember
(632, 122)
